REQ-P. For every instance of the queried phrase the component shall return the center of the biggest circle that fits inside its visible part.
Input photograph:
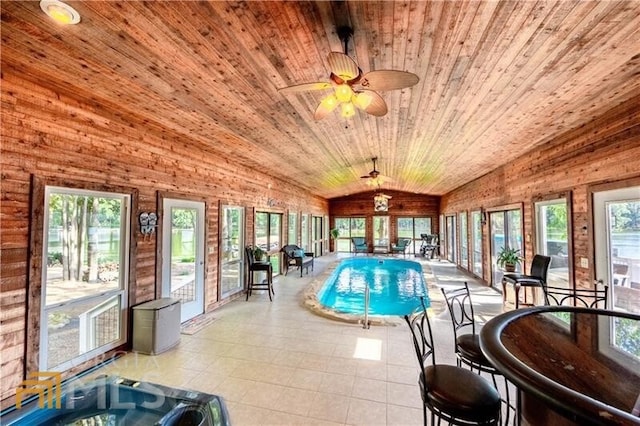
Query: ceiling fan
(376, 179)
(351, 88)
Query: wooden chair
(254, 265)
(295, 256)
(401, 246)
(536, 278)
(451, 393)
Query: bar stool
(537, 277)
(254, 265)
(454, 394)
(467, 341)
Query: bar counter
(572, 366)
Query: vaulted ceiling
(497, 78)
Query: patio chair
(359, 245)
(430, 246)
(401, 246)
(295, 256)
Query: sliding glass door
(506, 231)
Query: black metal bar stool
(467, 342)
(454, 394)
(254, 265)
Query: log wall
(605, 151)
(401, 204)
(48, 138)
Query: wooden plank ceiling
(497, 78)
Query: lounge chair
(360, 245)
(295, 256)
(401, 246)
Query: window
(292, 237)
(552, 231)
(231, 253)
(451, 238)
(464, 240)
(476, 242)
(506, 231)
(304, 232)
(348, 227)
(413, 227)
(268, 230)
(84, 280)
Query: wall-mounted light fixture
(483, 216)
(60, 12)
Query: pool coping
(311, 302)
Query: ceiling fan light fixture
(344, 92)
(60, 12)
(348, 110)
(330, 102)
(362, 100)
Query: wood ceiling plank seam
(491, 86)
(439, 46)
(455, 82)
(443, 43)
(182, 37)
(424, 56)
(518, 94)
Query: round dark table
(565, 365)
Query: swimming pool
(395, 286)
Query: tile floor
(276, 363)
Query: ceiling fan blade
(383, 80)
(320, 85)
(371, 103)
(343, 66)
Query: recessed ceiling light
(60, 12)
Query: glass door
(381, 234)
(552, 239)
(183, 255)
(476, 242)
(231, 250)
(317, 236)
(505, 231)
(451, 238)
(464, 240)
(616, 222)
(304, 232)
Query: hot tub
(113, 400)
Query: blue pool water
(395, 286)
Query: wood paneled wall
(401, 204)
(605, 150)
(53, 138)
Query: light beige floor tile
(398, 415)
(372, 370)
(404, 375)
(404, 395)
(342, 366)
(294, 401)
(366, 413)
(306, 379)
(371, 390)
(329, 407)
(262, 394)
(233, 389)
(337, 384)
(246, 415)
